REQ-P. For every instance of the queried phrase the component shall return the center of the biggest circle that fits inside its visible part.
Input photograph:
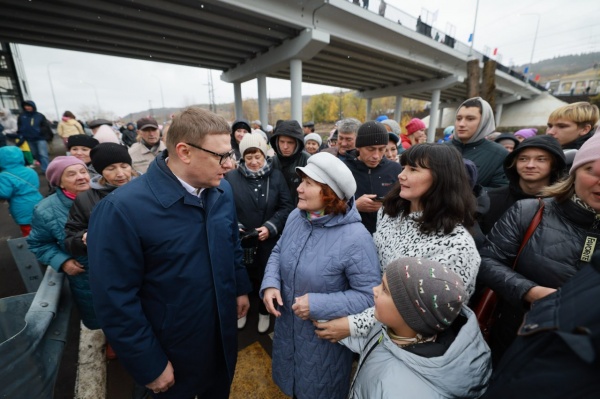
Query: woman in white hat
(323, 267)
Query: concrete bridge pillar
(433, 116)
(262, 100)
(237, 95)
(296, 97)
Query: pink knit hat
(589, 152)
(414, 125)
(57, 167)
(526, 133)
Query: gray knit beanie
(371, 133)
(427, 294)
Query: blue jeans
(39, 150)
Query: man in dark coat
(288, 143)
(374, 174)
(32, 126)
(474, 122)
(536, 163)
(166, 268)
(557, 352)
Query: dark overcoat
(166, 268)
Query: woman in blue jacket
(19, 185)
(70, 177)
(323, 267)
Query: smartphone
(378, 199)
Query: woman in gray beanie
(430, 344)
(323, 267)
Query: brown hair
(69, 114)
(192, 125)
(332, 203)
(251, 150)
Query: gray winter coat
(334, 261)
(387, 371)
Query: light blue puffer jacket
(332, 259)
(19, 185)
(387, 371)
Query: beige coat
(142, 156)
(69, 128)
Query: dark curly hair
(448, 202)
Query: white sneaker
(264, 321)
(241, 323)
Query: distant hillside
(549, 69)
(557, 67)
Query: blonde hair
(192, 125)
(562, 190)
(582, 113)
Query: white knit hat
(326, 168)
(313, 136)
(253, 140)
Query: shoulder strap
(537, 218)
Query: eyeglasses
(222, 157)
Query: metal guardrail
(448, 38)
(27, 263)
(33, 333)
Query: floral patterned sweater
(398, 237)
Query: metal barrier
(33, 333)
(28, 265)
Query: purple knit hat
(589, 152)
(57, 167)
(526, 133)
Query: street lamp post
(95, 93)
(537, 27)
(52, 88)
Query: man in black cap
(288, 143)
(308, 127)
(149, 145)
(374, 174)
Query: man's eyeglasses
(222, 157)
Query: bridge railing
(423, 27)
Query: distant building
(577, 84)
(13, 83)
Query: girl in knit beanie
(425, 343)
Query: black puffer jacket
(549, 259)
(264, 201)
(79, 217)
(288, 165)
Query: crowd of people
(365, 240)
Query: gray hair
(348, 125)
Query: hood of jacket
(544, 142)
(487, 125)
(451, 374)
(291, 129)
(11, 157)
(29, 102)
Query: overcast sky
(85, 81)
